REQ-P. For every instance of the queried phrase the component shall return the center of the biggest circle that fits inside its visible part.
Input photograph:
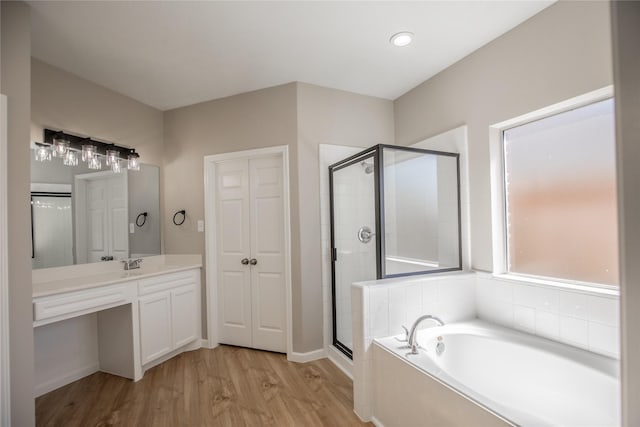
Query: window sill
(583, 287)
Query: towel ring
(144, 219)
(184, 216)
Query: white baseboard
(206, 344)
(376, 422)
(68, 378)
(341, 361)
(307, 357)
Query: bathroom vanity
(132, 320)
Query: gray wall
(626, 64)
(15, 83)
(562, 52)
(325, 116)
(298, 115)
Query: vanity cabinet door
(155, 326)
(184, 312)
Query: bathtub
(506, 376)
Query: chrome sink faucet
(411, 340)
(132, 264)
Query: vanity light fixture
(94, 162)
(111, 157)
(43, 153)
(60, 146)
(70, 158)
(402, 38)
(70, 147)
(87, 152)
(133, 161)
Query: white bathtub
(523, 379)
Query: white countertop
(58, 280)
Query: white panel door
(118, 216)
(233, 246)
(267, 253)
(250, 229)
(97, 221)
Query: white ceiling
(169, 54)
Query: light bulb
(88, 151)
(94, 162)
(111, 157)
(133, 162)
(60, 146)
(70, 158)
(43, 153)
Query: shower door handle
(365, 234)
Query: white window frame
(498, 199)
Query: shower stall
(395, 211)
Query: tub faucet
(131, 264)
(412, 343)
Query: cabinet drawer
(167, 281)
(86, 301)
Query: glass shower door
(354, 239)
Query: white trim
(499, 238)
(210, 241)
(65, 379)
(38, 187)
(307, 357)
(376, 422)
(5, 389)
(341, 361)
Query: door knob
(245, 261)
(253, 261)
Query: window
(560, 207)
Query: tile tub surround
(584, 319)
(380, 307)
(578, 317)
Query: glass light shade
(94, 162)
(60, 147)
(115, 166)
(70, 158)
(88, 152)
(43, 153)
(111, 157)
(133, 162)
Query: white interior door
(267, 252)
(97, 226)
(101, 216)
(233, 243)
(251, 257)
(118, 216)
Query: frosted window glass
(560, 182)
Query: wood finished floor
(227, 386)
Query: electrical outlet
(200, 226)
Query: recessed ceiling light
(402, 38)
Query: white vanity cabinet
(97, 317)
(169, 311)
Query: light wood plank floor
(227, 386)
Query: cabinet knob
(245, 261)
(253, 261)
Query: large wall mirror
(81, 215)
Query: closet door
(267, 254)
(233, 247)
